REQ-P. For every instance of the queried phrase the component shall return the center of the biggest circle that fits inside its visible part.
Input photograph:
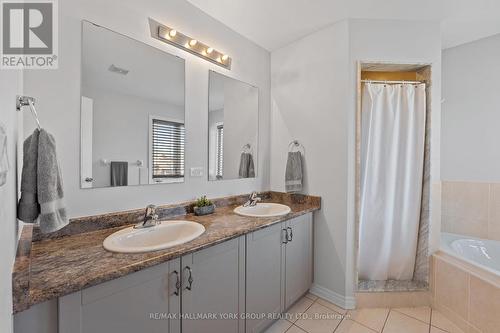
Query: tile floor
(315, 315)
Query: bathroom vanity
(236, 277)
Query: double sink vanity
(235, 270)
(166, 269)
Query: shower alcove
(392, 73)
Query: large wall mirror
(233, 122)
(132, 112)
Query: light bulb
(193, 42)
(172, 33)
(225, 57)
(210, 50)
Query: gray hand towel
(28, 207)
(119, 173)
(50, 187)
(293, 173)
(247, 168)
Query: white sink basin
(164, 235)
(263, 210)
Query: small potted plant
(203, 206)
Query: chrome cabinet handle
(291, 234)
(190, 278)
(89, 179)
(286, 237)
(177, 283)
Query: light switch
(197, 172)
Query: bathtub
(483, 253)
(465, 282)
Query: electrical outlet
(196, 172)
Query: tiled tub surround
(466, 294)
(471, 209)
(50, 266)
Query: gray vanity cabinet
(213, 284)
(279, 269)
(263, 272)
(298, 258)
(265, 275)
(145, 301)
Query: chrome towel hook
(28, 101)
(296, 144)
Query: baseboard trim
(331, 296)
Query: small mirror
(132, 112)
(233, 116)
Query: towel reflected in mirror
(247, 168)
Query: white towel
(4, 158)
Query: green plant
(203, 201)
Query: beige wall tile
(447, 198)
(484, 306)
(494, 215)
(466, 208)
(469, 200)
(465, 226)
(447, 223)
(452, 288)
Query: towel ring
(247, 148)
(296, 144)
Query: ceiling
(275, 23)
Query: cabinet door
(298, 258)
(140, 302)
(213, 288)
(264, 292)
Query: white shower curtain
(392, 160)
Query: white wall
(58, 98)
(10, 86)
(310, 85)
(471, 112)
(313, 91)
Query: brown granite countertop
(75, 259)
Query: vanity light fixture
(174, 37)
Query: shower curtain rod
(392, 82)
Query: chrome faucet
(252, 201)
(150, 218)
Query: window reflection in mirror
(233, 112)
(132, 112)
